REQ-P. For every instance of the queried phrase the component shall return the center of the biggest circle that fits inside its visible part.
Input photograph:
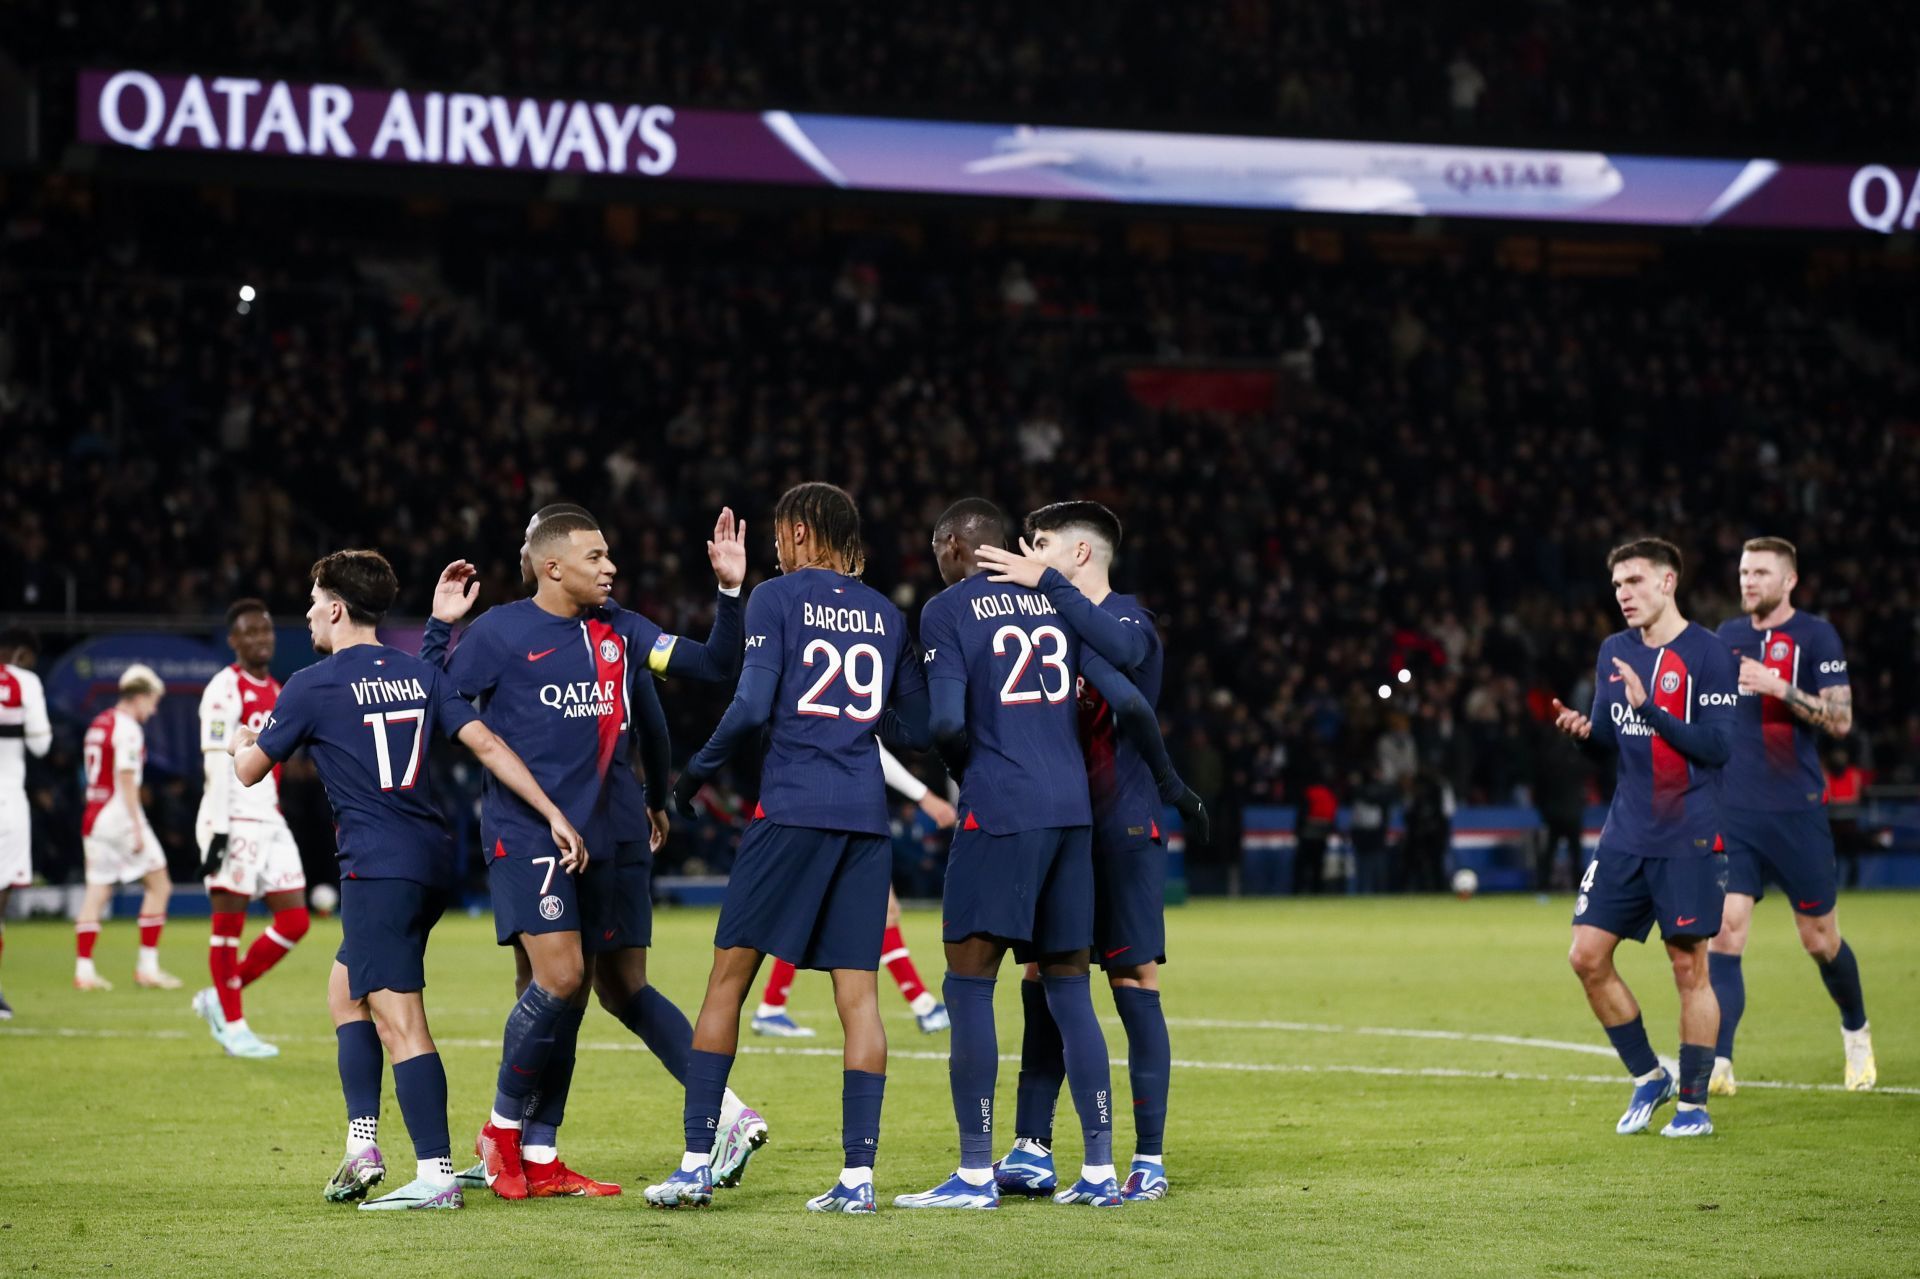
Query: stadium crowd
(1450, 447)
(1729, 75)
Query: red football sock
(893, 953)
(84, 936)
(223, 961)
(779, 982)
(150, 926)
(270, 947)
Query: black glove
(684, 789)
(215, 857)
(1194, 822)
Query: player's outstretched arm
(498, 758)
(714, 662)
(947, 719)
(1136, 721)
(436, 642)
(906, 724)
(1119, 641)
(250, 763)
(748, 712)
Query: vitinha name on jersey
(388, 690)
(582, 697)
(855, 620)
(1007, 604)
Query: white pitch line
(827, 1050)
(1396, 1032)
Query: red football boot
(553, 1180)
(499, 1150)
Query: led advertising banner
(657, 142)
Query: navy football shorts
(383, 933)
(532, 892)
(1793, 850)
(1129, 903)
(1033, 889)
(815, 898)
(1625, 894)
(618, 900)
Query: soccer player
(829, 664)
(117, 840)
(619, 891)
(1793, 687)
(1002, 663)
(1663, 701)
(771, 1017)
(246, 849)
(24, 728)
(1078, 541)
(368, 714)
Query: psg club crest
(551, 907)
(609, 651)
(1779, 651)
(1580, 906)
(1670, 682)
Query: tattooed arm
(1830, 711)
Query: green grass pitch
(1476, 1139)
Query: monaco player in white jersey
(116, 837)
(246, 849)
(23, 727)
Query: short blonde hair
(140, 678)
(1779, 546)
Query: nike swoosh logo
(607, 936)
(534, 657)
(1615, 678)
(518, 1071)
(1123, 950)
(1807, 905)
(1682, 923)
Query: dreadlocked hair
(832, 519)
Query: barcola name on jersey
(829, 618)
(1007, 604)
(1629, 724)
(582, 697)
(374, 689)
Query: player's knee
(562, 980)
(1589, 964)
(292, 924)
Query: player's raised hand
(573, 849)
(1636, 691)
(1758, 677)
(456, 591)
(1571, 722)
(658, 824)
(727, 552)
(1023, 569)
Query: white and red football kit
(115, 836)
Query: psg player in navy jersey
(1663, 701)
(1793, 687)
(829, 667)
(1002, 668)
(617, 893)
(1077, 541)
(368, 715)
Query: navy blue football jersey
(1019, 664)
(1776, 757)
(367, 715)
(1126, 803)
(1664, 804)
(837, 655)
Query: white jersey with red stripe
(234, 699)
(114, 744)
(24, 726)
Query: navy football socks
(860, 1096)
(1070, 1000)
(527, 1046)
(1149, 1064)
(662, 1027)
(973, 1065)
(1043, 1067)
(1696, 1068)
(1636, 1054)
(1842, 977)
(421, 1085)
(1730, 988)
(360, 1064)
(547, 1103)
(706, 1089)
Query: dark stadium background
(1343, 447)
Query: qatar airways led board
(656, 142)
